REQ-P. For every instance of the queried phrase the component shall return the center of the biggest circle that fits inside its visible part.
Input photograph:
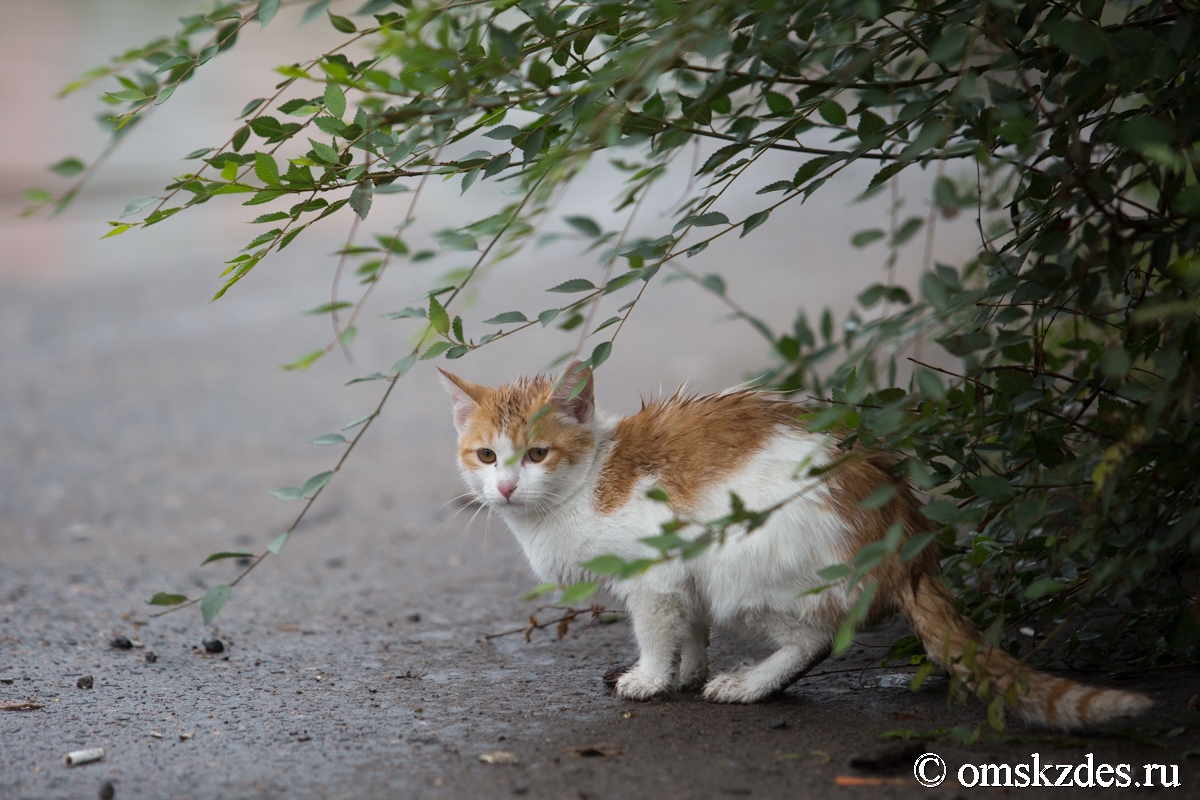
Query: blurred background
(134, 410)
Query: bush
(1054, 425)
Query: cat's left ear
(465, 395)
(581, 406)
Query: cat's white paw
(638, 685)
(730, 687)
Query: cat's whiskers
(438, 531)
(467, 527)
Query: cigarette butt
(77, 757)
(854, 780)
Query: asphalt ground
(140, 428)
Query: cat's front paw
(638, 685)
(730, 687)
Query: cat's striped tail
(1040, 699)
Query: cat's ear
(465, 395)
(579, 406)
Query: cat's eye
(485, 455)
(536, 454)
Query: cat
(572, 485)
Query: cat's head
(516, 457)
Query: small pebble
(413, 617)
(107, 792)
(150, 657)
(212, 645)
(776, 724)
(121, 643)
(86, 682)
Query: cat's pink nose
(506, 489)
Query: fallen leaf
(605, 749)
(156, 734)
(183, 737)
(500, 757)
(21, 705)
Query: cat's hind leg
(660, 624)
(778, 671)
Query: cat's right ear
(465, 395)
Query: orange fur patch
(688, 443)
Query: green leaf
(906, 231)
(992, 487)
(455, 240)
(315, 483)
(68, 167)
(407, 313)
(164, 599)
(435, 350)
(356, 422)
(335, 100)
(604, 565)
(277, 543)
(128, 95)
(585, 225)
(328, 438)
(360, 198)
(834, 571)
(506, 318)
(753, 221)
(503, 133)
(879, 497)
(266, 169)
(326, 308)
(1115, 362)
(214, 600)
(808, 170)
(438, 317)
(869, 124)
(658, 495)
(710, 219)
(832, 112)
(172, 63)
(341, 23)
(403, 366)
(777, 103)
(577, 593)
(266, 12)
(600, 354)
(914, 546)
(134, 206)
(1042, 587)
(949, 47)
(539, 590)
(227, 554)
(858, 612)
(865, 237)
(303, 362)
(1079, 38)
(573, 285)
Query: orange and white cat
(572, 486)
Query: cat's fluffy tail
(1040, 699)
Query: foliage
(1053, 423)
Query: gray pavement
(140, 427)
